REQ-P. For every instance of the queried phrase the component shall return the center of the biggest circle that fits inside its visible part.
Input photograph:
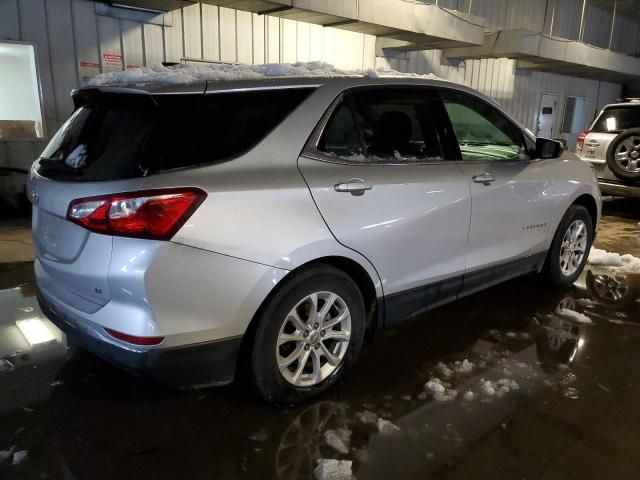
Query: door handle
(355, 186)
(484, 178)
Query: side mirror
(546, 148)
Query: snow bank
(221, 72)
(573, 315)
(627, 262)
(329, 469)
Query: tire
(288, 385)
(623, 155)
(553, 269)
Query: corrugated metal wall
(520, 92)
(73, 42)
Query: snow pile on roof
(225, 72)
(627, 262)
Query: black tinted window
(114, 137)
(385, 125)
(483, 132)
(617, 119)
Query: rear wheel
(570, 247)
(623, 155)
(307, 337)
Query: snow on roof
(225, 72)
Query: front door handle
(484, 178)
(355, 186)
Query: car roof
(160, 88)
(623, 104)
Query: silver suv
(612, 146)
(198, 232)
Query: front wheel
(308, 335)
(570, 247)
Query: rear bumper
(188, 366)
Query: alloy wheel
(627, 154)
(573, 248)
(313, 339)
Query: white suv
(612, 146)
(262, 226)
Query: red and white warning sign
(111, 62)
(88, 70)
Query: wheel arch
(374, 307)
(588, 202)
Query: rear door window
(114, 137)
(385, 126)
(617, 119)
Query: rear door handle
(355, 186)
(484, 178)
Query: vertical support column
(613, 22)
(584, 9)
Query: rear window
(617, 119)
(115, 137)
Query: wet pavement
(517, 386)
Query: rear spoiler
(81, 96)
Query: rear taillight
(152, 214)
(581, 136)
(133, 339)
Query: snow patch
(464, 367)
(19, 456)
(367, 417)
(573, 315)
(446, 371)
(435, 385)
(330, 469)
(5, 454)
(487, 387)
(440, 392)
(386, 427)
(626, 262)
(339, 439)
(222, 72)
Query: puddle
(481, 385)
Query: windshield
(114, 137)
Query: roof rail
(628, 100)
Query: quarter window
(483, 133)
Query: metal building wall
(71, 41)
(519, 91)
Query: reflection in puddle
(465, 399)
(32, 350)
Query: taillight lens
(133, 339)
(581, 136)
(151, 214)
